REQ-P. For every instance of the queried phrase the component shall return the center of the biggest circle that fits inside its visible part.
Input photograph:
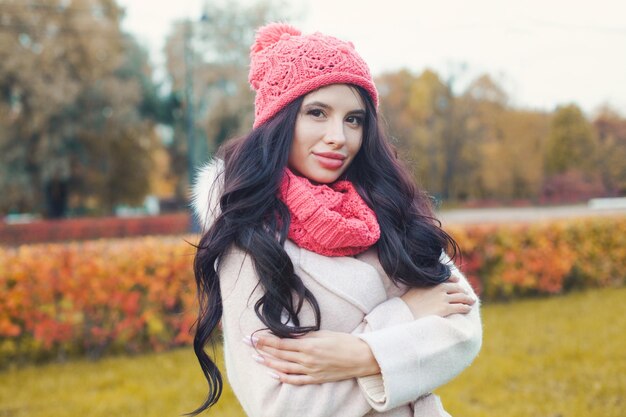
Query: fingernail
(250, 340)
(273, 375)
(258, 358)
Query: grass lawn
(556, 357)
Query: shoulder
(206, 191)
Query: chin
(323, 177)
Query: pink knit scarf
(332, 220)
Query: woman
(321, 259)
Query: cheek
(297, 155)
(296, 149)
(293, 157)
(355, 143)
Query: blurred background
(512, 116)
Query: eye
(355, 120)
(316, 113)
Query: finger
(287, 355)
(449, 287)
(461, 298)
(299, 380)
(454, 288)
(281, 366)
(293, 379)
(457, 309)
(278, 343)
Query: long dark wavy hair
(255, 220)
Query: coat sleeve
(416, 356)
(260, 394)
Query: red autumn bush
(94, 297)
(508, 261)
(137, 294)
(92, 228)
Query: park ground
(525, 214)
(561, 356)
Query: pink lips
(330, 160)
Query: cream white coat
(355, 296)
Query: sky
(544, 53)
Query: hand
(315, 358)
(440, 300)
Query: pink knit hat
(284, 64)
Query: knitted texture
(284, 64)
(332, 220)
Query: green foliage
(571, 143)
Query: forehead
(336, 95)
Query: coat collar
(205, 192)
(353, 279)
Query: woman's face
(328, 133)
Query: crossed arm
(439, 348)
(326, 356)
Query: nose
(335, 135)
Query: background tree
(505, 144)
(610, 129)
(210, 58)
(416, 109)
(431, 127)
(115, 134)
(473, 146)
(476, 147)
(75, 125)
(571, 143)
(79, 112)
(571, 159)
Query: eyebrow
(326, 106)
